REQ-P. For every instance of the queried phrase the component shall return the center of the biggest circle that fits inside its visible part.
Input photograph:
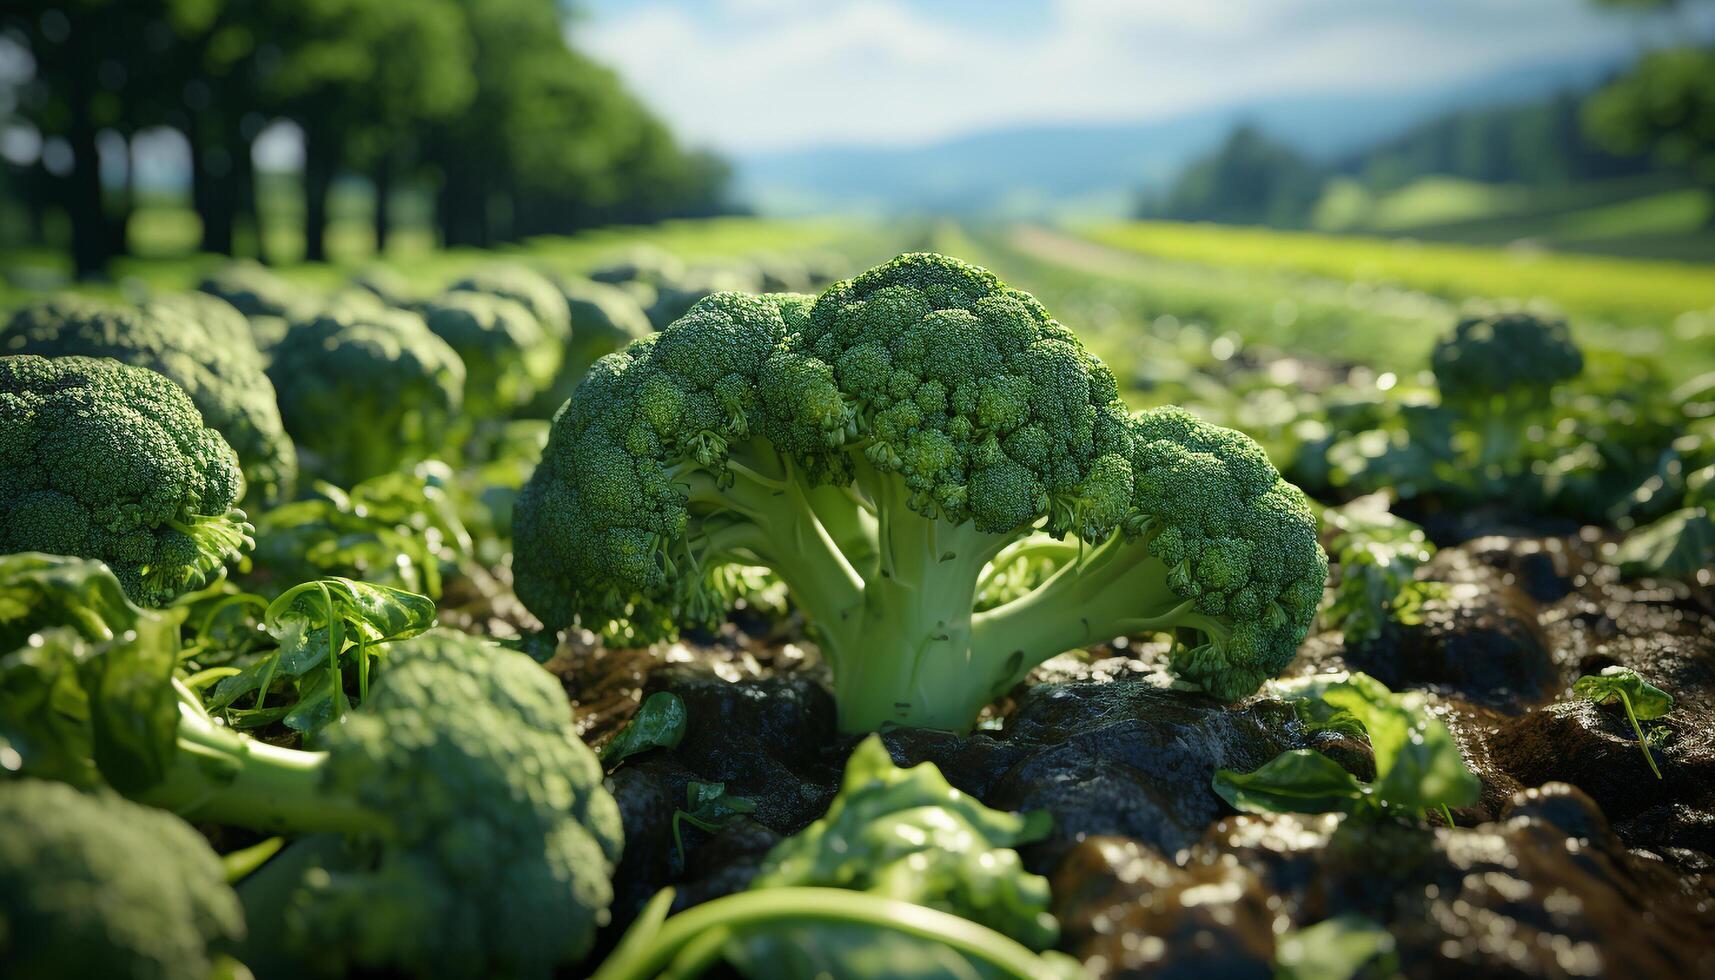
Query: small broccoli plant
(523, 285)
(92, 885)
(876, 449)
(366, 393)
(1497, 371)
(103, 460)
(1641, 701)
(1378, 556)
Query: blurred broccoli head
(877, 448)
(106, 461)
(196, 344)
(367, 393)
(604, 319)
(255, 291)
(640, 263)
(97, 886)
(508, 357)
(528, 287)
(1509, 352)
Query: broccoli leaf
(658, 724)
(1680, 545)
(709, 808)
(1299, 781)
(1344, 947)
(1641, 700)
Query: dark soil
(1577, 861)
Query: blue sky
(748, 76)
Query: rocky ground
(1577, 860)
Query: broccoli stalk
(883, 451)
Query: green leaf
(1299, 781)
(1676, 546)
(1648, 701)
(658, 724)
(1418, 765)
(709, 808)
(1341, 948)
(85, 676)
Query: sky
(753, 76)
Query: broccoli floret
(367, 393)
(102, 460)
(528, 287)
(97, 886)
(876, 449)
(508, 357)
(195, 344)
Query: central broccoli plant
(879, 449)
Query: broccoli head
(366, 393)
(254, 291)
(879, 449)
(1505, 352)
(93, 885)
(508, 356)
(195, 344)
(102, 460)
(525, 286)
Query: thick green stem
(221, 776)
(1117, 589)
(736, 915)
(907, 660)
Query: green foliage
(658, 724)
(1665, 106)
(1679, 545)
(1344, 947)
(849, 895)
(366, 393)
(107, 461)
(1641, 700)
(709, 808)
(96, 886)
(1378, 556)
(1418, 765)
(397, 529)
(217, 366)
(1251, 179)
(875, 449)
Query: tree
(1664, 106)
(1250, 179)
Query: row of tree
(518, 133)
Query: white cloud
(752, 75)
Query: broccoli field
(795, 599)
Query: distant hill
(1041, 170)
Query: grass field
(1652, 308)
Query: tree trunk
(319, 162)
(91, 238)
(382, 176)
(212, 186)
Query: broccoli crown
(507, 355)
(527, 286)
(255, 291)
(96, 886)
(1237, 541)
(641, 263)
(499, 840)
(385, 368)
(194, 344)
(954, 416)
(1508, 349)
(106, 461)
(390, 287)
